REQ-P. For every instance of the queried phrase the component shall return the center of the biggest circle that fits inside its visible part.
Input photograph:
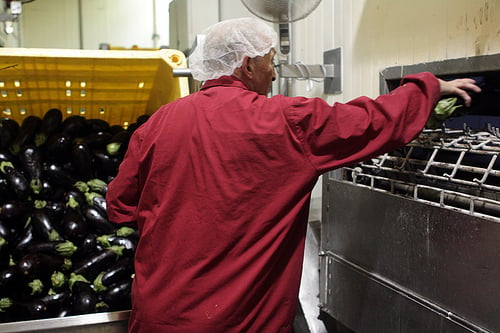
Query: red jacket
(219, 183)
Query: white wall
(120, 23)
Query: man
(219, 184)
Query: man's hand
(459, 87)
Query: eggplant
(84, 297)
(105, 164)
(26, 133)
(9, 129)
(91, 266)
(4, 253)
(109, 240)
(87, 247)
(74, 194)
(97, 140)
(10, 282)
(119, 143)
(31, 163)
(16, 180)
(34, 288)
(98, 186)
(132, 127)
(16, 211)
(23, 310)
(43, 228)
(58, 148)
(82, 161)
(51, 122)
(25, 240)
(120, 271)
(117, 296)
(6, 231)
(76, 126)
(98, 201)
(56, 301)
(5, 191)
(41, 265)
(55, 210)
(58, 281)
(7, 157)
(61, 248)
(98, 220)
(74, 225)
(98, 125)
(102, 307)
(128, 232)
(113, 129)
(59, 176)
(142, 119)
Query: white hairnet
(227, 43)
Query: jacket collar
(224, 81)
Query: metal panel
(108, 322)
(440, 260)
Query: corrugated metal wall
(375, 34)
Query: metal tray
(107, 322)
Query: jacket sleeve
(123, 194)
(343, 134)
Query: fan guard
(281, 11)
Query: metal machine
(411, 239)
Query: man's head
(233, 44)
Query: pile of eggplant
(59, 253)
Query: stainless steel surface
(303, 71)
(109, 322)
(182, 72)
(410, 240)
(333, 83)
(393, 264)
(456, 170)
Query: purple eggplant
(15, 211)
(91, 266)
(121, 270)
(57, 149)
(88, 246)
(97, 140)
(117, 296)
(82, 161)
(64, 248)
(84, 297)
(11, 281)
(76, 126)
(26, 133)
(16, 180)
(56, 301)
(97, 220)
(109, 240)
(51, 121)
(9, 129)
(98, 125)
(105, 164)
(31, 163)
(41, 265)
(119, 143)
(59, 176)
(43, 228)
(4, 253)
(23, 310)
(98, 201)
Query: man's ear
(246, 67)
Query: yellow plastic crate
(116, 86)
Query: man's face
(264, 74)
